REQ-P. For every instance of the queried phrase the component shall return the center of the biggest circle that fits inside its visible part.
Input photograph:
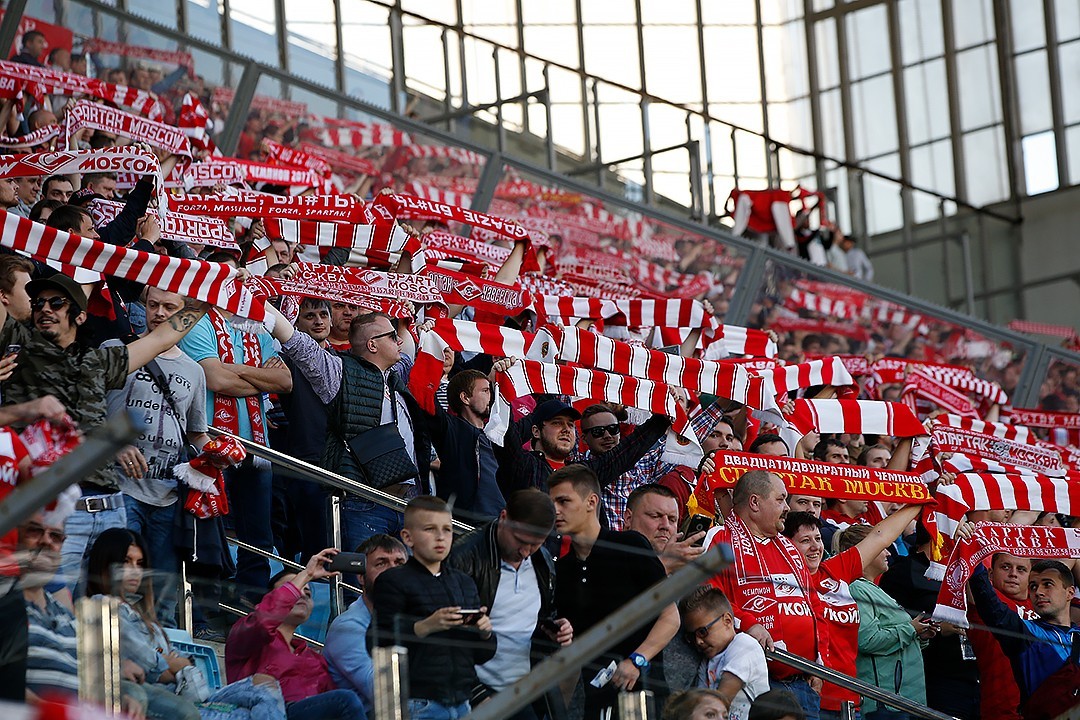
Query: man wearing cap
(52, 361)
(553, 438)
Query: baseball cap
(83, 196)
(550, 408)
(60, 282)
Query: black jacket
(477, 555)
(520, 468)
(468, 469)
(441, 665)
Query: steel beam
(9, 26)
(238, 112)
(1057, 107)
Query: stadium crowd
(561, 380)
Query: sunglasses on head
(599, 430)
(54, 302)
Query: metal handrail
(285, 562)
(307, 471)
(855, 685)
(242, 613)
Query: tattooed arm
(165, 335)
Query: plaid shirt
(650, 468)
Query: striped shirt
(51, 661)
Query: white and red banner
(41, 81)
(343, 161)
(286, 155)
(1026, 541)
(66, 162)
(289, 108)
(31, 140)
(171, 57)
(209, 174)
(459, 288)
(175, 227)
(277, 174)
(327, 209)
(874, 417)
(1009, 444)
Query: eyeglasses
(392, 333)
(702, 632)
(600, 430)
(55, 302)
(34, 532)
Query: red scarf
(225, 406)
(748, 565)
(875, 417)
(285, 155)
(86, 114)
(989, 538)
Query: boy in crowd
(734, 663)
(419, 605)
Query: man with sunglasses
(51, 361)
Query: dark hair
(9, 265)
(580, 476)
(596, 410)
(278, 575)
(51, 179)
(426, 503)
(648, 489)
(366, 319)
(94, 177)
(705, 596)
(382, 541)
(220, 256)
(776, 704)
(41, 206)
(532, 510)
(30, 35)
(68, 218)
(866, 452)
(314, 303)
(463, 382)
(765, 439)
(796, 521)
(77, 57)
(52, 53)
(1055, 566)
(821, 450)
(108, 552)
(995, 556)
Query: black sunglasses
(55, 302)
(392, 333)
(599, 430)
(703, 631)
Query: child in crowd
(734, 663)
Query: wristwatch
(639, 660)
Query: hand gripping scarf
(226, 407)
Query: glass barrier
(1059, 390)
(606, 241)
(819, 316)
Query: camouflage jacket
(79, 377)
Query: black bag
(380, 452)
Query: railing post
(447, 104)
(98, 641)
(391, 682)
(734, 159)
(636, 705)
(500, 131)
(336, 600)
(187, 599)
(847, 710)
(596, 121)
(697, 199)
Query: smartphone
(12, 350)
(351, 563)
(550, 625)
(695, 524)
(471, 616)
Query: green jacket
(890, 655)
(79, 377)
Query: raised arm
(166, 335)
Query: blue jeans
(360, 519)
(250, 492)
(808, 699)
(332, 705)
(431, 710)
(155, 524)
(82, 529)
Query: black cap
(60, 282)
(550, 408)
(83, 196)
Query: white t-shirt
(744, 659)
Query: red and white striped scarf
(341, 160)
(67, 162)
(794, 323)
(224, 95)
(286, 155)
(432, 194)
(31, 140)
(857, 365)
(587, 349)
(827, 371)
(374, 135)
(459, 288)
(984, 491)
(87, 114)
(1064, 427)
(873, 417)
(171, 57)
(919, 384)
(990, 538)
(175, 227)
(193, 120)
(529, 377)
(338, 292)
(399, 205)
(411, 152)
(227, 407)
(381, 243)
(803, 300)
(211, 282)
(1031, 327)
(466, 247)
(42, 81)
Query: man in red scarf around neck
(768, 584)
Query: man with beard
(467, 473)
(551, 425)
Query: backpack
(1059, 692)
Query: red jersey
(997, 684)
(840, 622)
(12, 452)
(768, 584)
(340, 347)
